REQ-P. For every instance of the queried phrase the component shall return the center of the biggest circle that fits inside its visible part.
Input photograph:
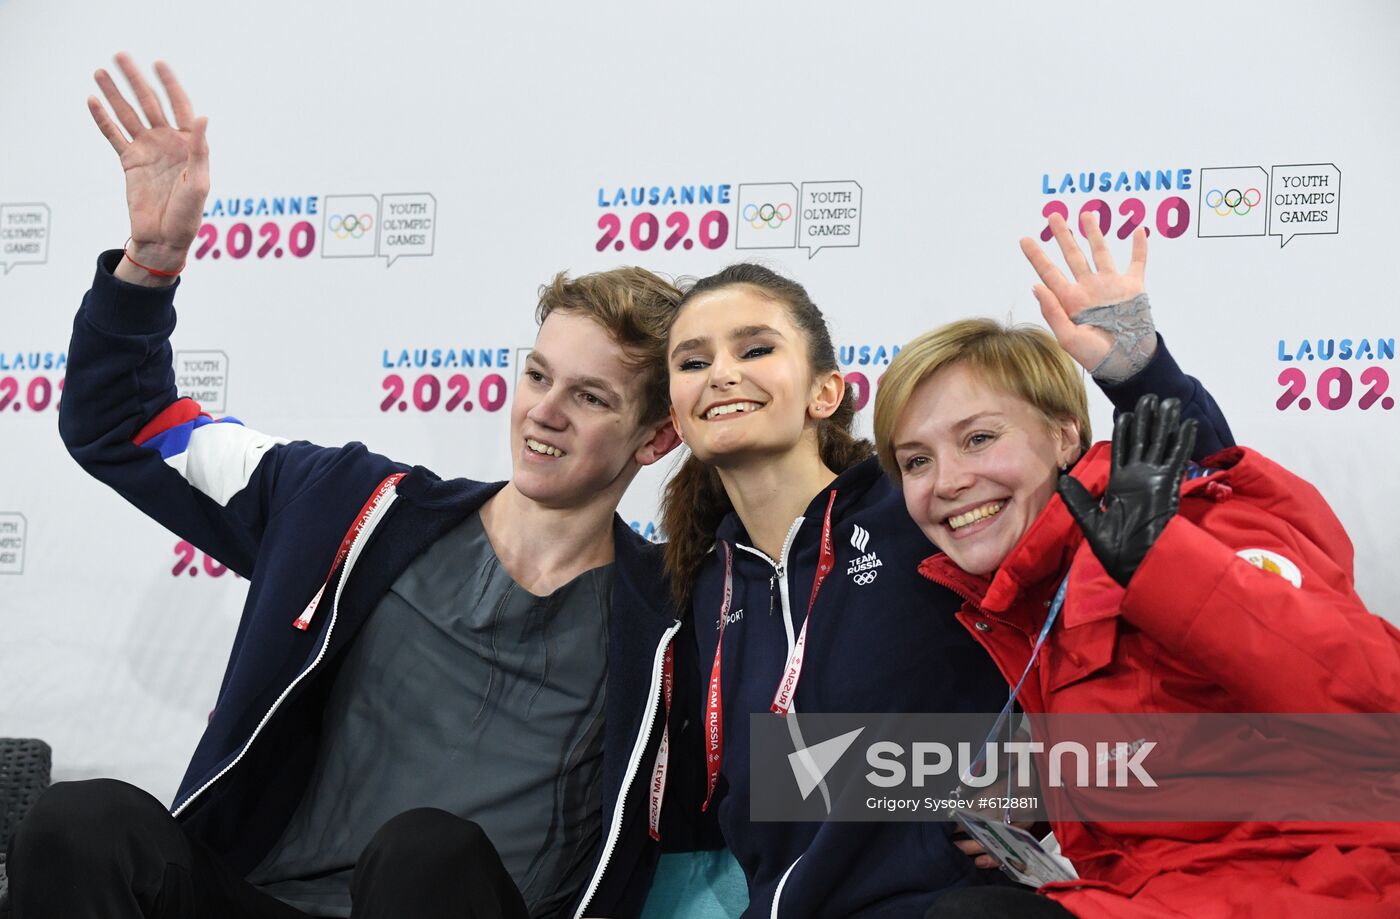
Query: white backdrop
(907, 145)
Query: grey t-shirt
(465, 692)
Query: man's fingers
(1051, 275)
(1137, 268)
(120, 107)
(145, 96)
(1098, 248)
(199, 155)
(199, 141)
(179, 102)
(1074, 258)
(106, 125)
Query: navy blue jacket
(882, 643)
(276, 512)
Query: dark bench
(25, 766)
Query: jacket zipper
(778, 891)
(780, 575)
(355, 548)
(638, 751)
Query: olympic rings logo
(865, 577)
(350, 226)
(771, 216)
(1241, 205)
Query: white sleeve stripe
(221, 458)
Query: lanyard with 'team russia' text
(303, 621)
(787, 688)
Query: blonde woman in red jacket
(1228, 592)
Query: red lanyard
(714, 711)
(782, 701)
(663, 752)
(303, 621)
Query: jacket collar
(641, 565)
(639, 561)
(851, 488)
(422, 486)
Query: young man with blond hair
(445, 698)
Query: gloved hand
(1151, 446)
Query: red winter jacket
(1200, 629)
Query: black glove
(1150, 449)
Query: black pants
(104, 849)
(995, 903)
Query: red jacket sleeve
(1276, 647)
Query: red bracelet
(155, 271)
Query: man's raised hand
(166, 166)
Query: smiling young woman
(973, 464)
(757, 397)
(789, 544)
(983, 424)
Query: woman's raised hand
(1151, 449)
(1063, 300)
(166, 166)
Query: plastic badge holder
(1018, 853)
